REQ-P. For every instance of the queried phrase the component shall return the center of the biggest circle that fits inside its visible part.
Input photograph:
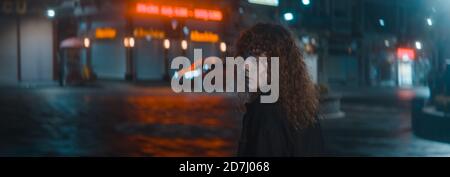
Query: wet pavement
(116, 121)
(137, 120)
(378, 123)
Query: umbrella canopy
(71, 42)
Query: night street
(224, 87)
(121, 119)
(378, 123)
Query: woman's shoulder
(267, 113)
(256, 106)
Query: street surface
(120, 119)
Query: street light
(130, 70)
(288, 16)
(418, 45)
(51, 13)
(387, 43)
(223, 47)
(429, 22)
(86, 42)
(306, 2)
(131, 41)
(166, 44)
(128, 42)
(184, 44)
(381, 22)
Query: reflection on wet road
(378, 123)
(131, 121)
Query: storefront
(26, 46)
(137, 40)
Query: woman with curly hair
(288, 127)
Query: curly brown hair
(298, 95)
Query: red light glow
(406, 53)
(179, 12)
(149, 9)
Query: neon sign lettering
(204, 36)
(141, 32)
(179, 12)
(105, 33)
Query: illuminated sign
(179, 12)
(141, 32)
(105, 33)
(265, 2)
(204, 36)
(405, 73)
(406, 54)
(128, 42)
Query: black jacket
(266, 132)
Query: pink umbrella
(71, 42)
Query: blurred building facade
(347, 43)
(27, 45)
(133, 39)
(356, 42)
(160, 31)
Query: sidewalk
(378, 123)
(382, 91)
(387, 96)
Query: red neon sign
(406, 53)
(180, 12)
(150, 9)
